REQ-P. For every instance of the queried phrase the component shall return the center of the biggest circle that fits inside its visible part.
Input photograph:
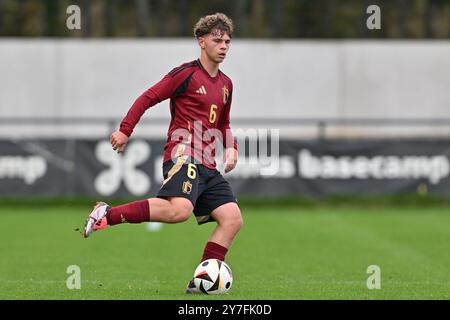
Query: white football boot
(96, 219)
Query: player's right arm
(161, 91)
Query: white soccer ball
(213, 276)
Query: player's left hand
(231, 158)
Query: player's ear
(201, 42)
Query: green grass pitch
(281, 253)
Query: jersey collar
(214, 79)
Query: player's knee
(234, 221)
(182, 216)
(239, 222)
(179, 214)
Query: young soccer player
(200, 100)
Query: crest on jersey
(187, 187)
(226, 94)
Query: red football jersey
(200, 110)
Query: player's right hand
(118, 141)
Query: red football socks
(134, 212)
(214, 251)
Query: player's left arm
(229, 141)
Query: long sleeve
(161, 91)
(142, 103)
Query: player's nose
(223, 46)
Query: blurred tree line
(253, 18)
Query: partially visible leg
(172, 210)
(174, 202)
(229, 222)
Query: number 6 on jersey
(212, 113)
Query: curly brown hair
(211, 22)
